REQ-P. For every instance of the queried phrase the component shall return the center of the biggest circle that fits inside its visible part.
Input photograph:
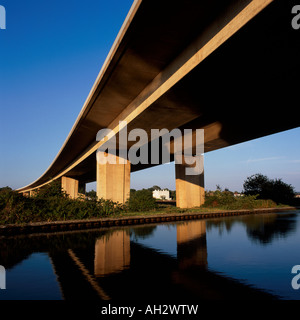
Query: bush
(4, 196)
(141, 200)
(52, 189)
(51, 204)
(227, 200)
(13, 206)
(219, 198)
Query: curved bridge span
(229, 67)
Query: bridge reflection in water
(119, 264)
(191, 244)
(128, 270)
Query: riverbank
(138, 219)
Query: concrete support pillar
(32, 193)
(189, 188)
(113, 181)
(70, 186)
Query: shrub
(51, 205)
(226, 200)
(141, 200)
(219, 198)
(52, 189)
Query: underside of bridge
(228, 67)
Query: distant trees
(172, 192)
(154, 188)
(265, 188)
(91, 194)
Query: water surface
(246, 257)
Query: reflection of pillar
(113, 181)
(188, 231)
(189, 188)
(112, 253)
(191, 244)
(70, 186)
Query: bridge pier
(70, 186)
(113, 181)
(189, 188)
(32, 193)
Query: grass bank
(51, 204)
(130, 220)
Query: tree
(256, 184)
(5, 189)
(154, 188)
(132, 191)
(266, 188)
(91, 195)
(173, 194)
(282, 192)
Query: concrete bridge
(229, 67)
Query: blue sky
(50, 56)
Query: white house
(161, 194)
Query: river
(240, 257)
